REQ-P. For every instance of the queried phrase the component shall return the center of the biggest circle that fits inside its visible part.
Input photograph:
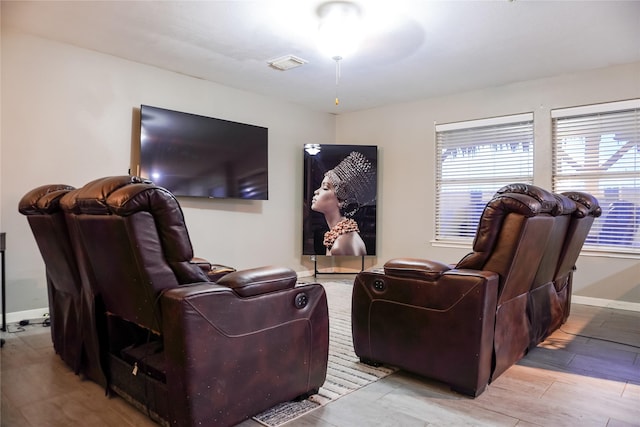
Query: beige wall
(406, 139)
(68, 117)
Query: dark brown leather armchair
(73, 330)
(188, 350)
(587, 210)
(463, 325)
(550, 295)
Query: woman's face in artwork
(324, 198)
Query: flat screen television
(198, 156)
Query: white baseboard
(308, 273)
(608, 303)
(17, 316)
(330, 270)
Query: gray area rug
(345, 373)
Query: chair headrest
(523, 199)
(586, 204)
(105, 196)
(124, 196)
(43, 200)
(548, 202)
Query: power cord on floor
(46, 322)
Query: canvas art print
(340, 195)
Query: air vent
(286, 62)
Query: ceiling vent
(286, 62)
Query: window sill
(452, 244)
(589, 252)
(601, 253)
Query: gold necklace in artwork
(346, 225)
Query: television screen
(198, 156)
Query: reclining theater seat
(72, 328)
(187, 350)
(550, 294)
(465, 325)
(587, 210)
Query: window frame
(523, 124)
(587, 118)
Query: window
(597, 149)
(474, 159)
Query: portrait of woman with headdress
(344, 191)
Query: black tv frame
(198, 156)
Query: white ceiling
(412, 49)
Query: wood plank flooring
(586, 374)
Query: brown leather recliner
(587, 210)
(550, 294)
(464, 325)
(73, 330)
(187, 350)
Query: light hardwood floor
(586, 374)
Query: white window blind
(474, 159)
(596, 149)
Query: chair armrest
(218, 271)
(202, 263)
(416, 291)
(222, 349)
(442, 329)
(214, 272)
(415, 268)
(261, 280)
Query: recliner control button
(301, 300)
(378, 285)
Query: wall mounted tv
(198, 156)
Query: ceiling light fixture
(339, 32)
(340, 28)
